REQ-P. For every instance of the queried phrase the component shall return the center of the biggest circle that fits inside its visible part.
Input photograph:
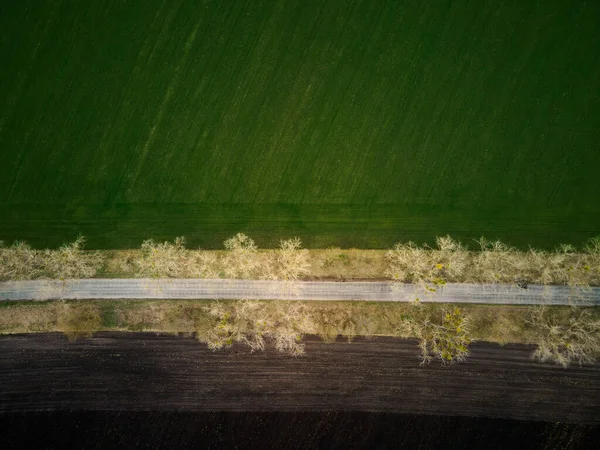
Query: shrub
(78, 320)
(592, 246)
(331, 321)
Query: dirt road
(306, 290)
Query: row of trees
(241, 259)
(564, 340)
(160, 260)
(494, 262)
(21, 262)
(425, 266)
(562, 336)
(253, 323)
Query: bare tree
(447, 340)
(71, 261)
(254, 323)
(241, 260)
(291, 260)
(173, 260)
(20, 262)
(565, 341)
(495, 262)
(162, 259)
(425, 267)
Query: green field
(350, 123)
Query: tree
(575, 339)
(241, 260)
(20, 262)
(253, 323)
(291, 261)
(425, 267)
(71, 261)
(447, 341)
(173, 260)
(162, 259)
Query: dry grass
(28, 317)
(335, 263)
(500, 324)
(144, 316)
(331, 321)
(75, 319)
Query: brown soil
(149, 371)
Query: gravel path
(305, 290)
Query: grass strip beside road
(492, 323)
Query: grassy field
(349, 123)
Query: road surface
(277, 290)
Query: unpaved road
(305, 290)
(146, 371)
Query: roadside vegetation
(78, 320)
(428, 267)
(565, 337)
(173, 260)
(446, 339)
(21, 262)
(449, 261)
(562, 335)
